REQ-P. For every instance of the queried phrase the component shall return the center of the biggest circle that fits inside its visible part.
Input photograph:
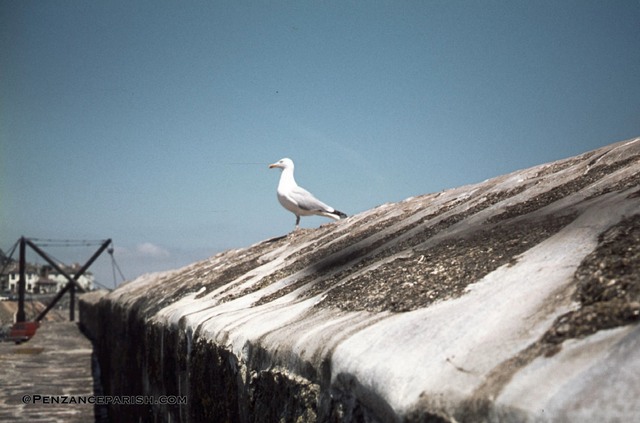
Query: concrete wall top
(514, 299)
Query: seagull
(298, 200)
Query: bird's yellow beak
(271, 166)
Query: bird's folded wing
(306, 201)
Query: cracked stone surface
(513, 299)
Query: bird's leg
(297, 223)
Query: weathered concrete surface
(56, 362)
(515, 299)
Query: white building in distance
(43, 279)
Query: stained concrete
(55, 363)
(515, 299)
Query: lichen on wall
(450, 306)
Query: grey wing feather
(307, 201)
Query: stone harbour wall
(516, 299)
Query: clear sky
(152, 122)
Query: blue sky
(152, 122)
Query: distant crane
(23, 330)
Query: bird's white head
(282, 164)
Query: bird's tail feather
(339, 214)
(336, 215)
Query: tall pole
(22, 282)
(72, 302)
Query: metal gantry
(71, 286)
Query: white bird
(298, 200)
